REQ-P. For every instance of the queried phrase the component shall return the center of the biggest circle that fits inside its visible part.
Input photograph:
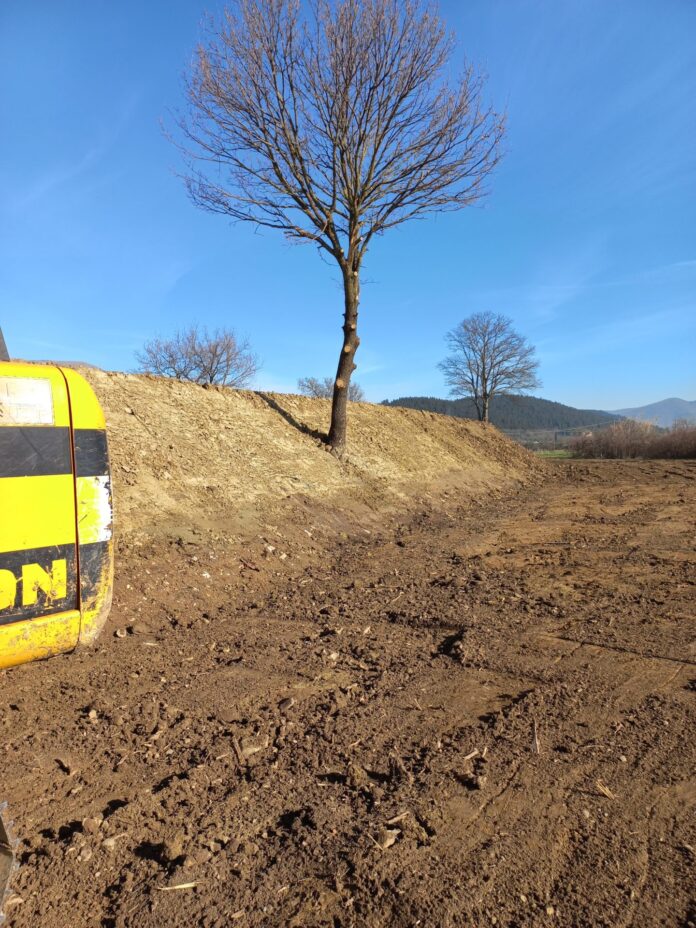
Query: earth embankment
(187, 457)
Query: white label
(94, 514)
(26, 401)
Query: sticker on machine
(26, 401)
(94, 512)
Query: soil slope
(186, 457)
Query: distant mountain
(664, 413)
(513, 412)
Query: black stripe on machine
(91, 453)
(34, 451)
(37, 582)
(94, 560)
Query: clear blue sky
(588, 240)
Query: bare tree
(323, 389)
(169, 357)
(222, 358)
(202, 357)
(333, 127)
(489, 359)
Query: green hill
(512, 412)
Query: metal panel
(39, 583)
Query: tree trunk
(339, 406)
(484, 411)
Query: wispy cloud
(45, 184)
(364, 370)
(543, 301)
(555, 282)
(679, 265)
(59, 176)
(608, 337)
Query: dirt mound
(183, 455)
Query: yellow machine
(56, 548)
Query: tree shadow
(291, 420)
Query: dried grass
(632, 439)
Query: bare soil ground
(469, 713)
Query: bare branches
(170, 357)
(202, 357)
(323, 388)
(630, 438)
(221, 358)
(336, 130)
(333, 121)
(488, 358)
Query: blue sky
(588, 240)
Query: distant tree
(323, 389)
(488, 359)
(333, 121)
(169, 357)
(221, 358)
(201, 357)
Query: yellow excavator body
(56, 544)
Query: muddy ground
(472, 714)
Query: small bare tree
(202, 357)
(169, 357)
(333, 122)
(489, 359)
(324, 388)
(222, 358)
